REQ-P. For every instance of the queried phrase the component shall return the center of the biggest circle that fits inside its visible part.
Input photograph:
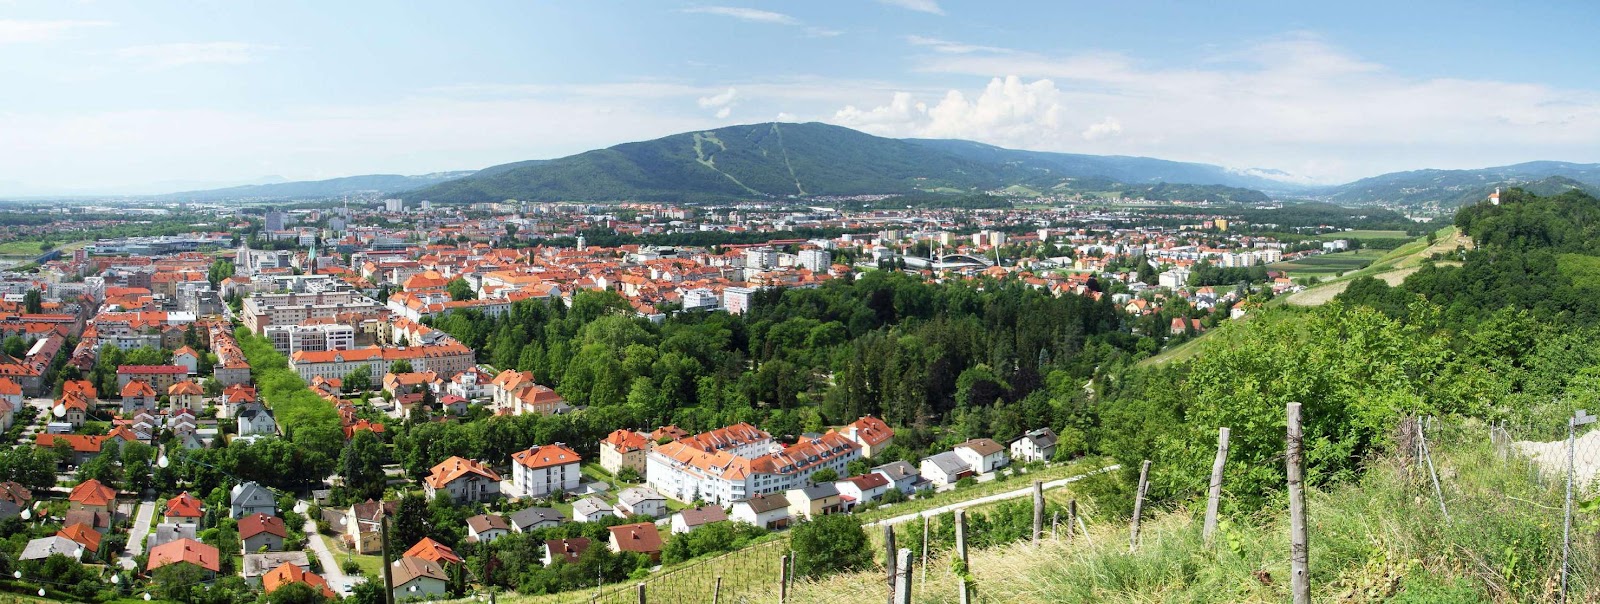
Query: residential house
(10, 402)
(185, 551)
(528, 519)
(259, 531)
(256, 420)
(287, 573)
(97, 519)
(901, 475)
(769, 511)
(856, 490)
(168, 532)
(433, 551)
(1035, 445)
(539, 471)
(188, 358)
(363, 525)
(871, 433)
(691, 519)
(462, 480)
(944, 469)
(185, 395)
(813, 501)
(624, 449)
(418, 579)
(255, 567)
(983, 455)
(641, 537)
(82, 534)
(564, 549)
(251, 498)
(93, 496)
(184, 508)
(44, 547)
(487, 527)
(136, 395)
(590, 509)
(739, 462)
(234, 397)
(640, 501)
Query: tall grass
(1383, 538)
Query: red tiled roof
(184, 550)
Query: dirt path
(1321, 294)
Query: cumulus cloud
(922, 6)
(19, 31)
(745, 14)
(1107, 127)
(1293, 102)
(179, 54)
(948, 47)
(723, 102)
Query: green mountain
(773, 160)
(1451, 188)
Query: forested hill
(775, 160)
(1464, 187)
(320, 189)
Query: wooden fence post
(902, 584)
(1138, 505)
(925, 520)
(961, 554)
(1038, 511)
(1214, 498)
(716, 591)
(1298, 556)
(1072, 519)
(641, 593)
(783, 579)
(889, 553)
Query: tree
(358, 380)
(411, 522)
(824, 475)
(460, 290)
(33, 302)
(830, 544)
(178, 581)
(296, 593)
(361, 465)
(220, 269)
(400, 366)
(15, 346)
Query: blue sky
(151, 95)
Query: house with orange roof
(185, 395)
(433, 551)
(539, 471)
(462, 480)
(624, 449)
(287, 573)
(188, 358)
(740, 461)
(184, 508)
(185, 551)
(642, 538)
(137, 395)
(260, 532)
(82, 534)
(871, 433)
(93, 496)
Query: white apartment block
(289, 339)
(696, 468)
(539, 471)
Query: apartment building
(739, 462)
(289, 339)
(448, 358)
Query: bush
(966, 482)
(830, 544)
(350, 567)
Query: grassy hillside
(1382, 539)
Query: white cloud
(923, 6)
(745, 14)
(1295, 103)
(1107, 127)
(719, 100)
(18, 31)
(724, 112)
(948, 47)
(823, 32)
(178, 54)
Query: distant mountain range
(316, 189)
(782, 160)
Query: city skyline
(166, 96)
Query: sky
(150, 96)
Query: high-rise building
(275, 220)
(816, 260)
(394, 205)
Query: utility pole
(388, 574)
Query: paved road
(331, 572)
(1026, 491)
(136, 535)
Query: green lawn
(31, 247)
(1328, 264)
(371, 566)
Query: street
(337, 579)
(136, 535)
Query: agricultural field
(1362, 234)
(1328, 265)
